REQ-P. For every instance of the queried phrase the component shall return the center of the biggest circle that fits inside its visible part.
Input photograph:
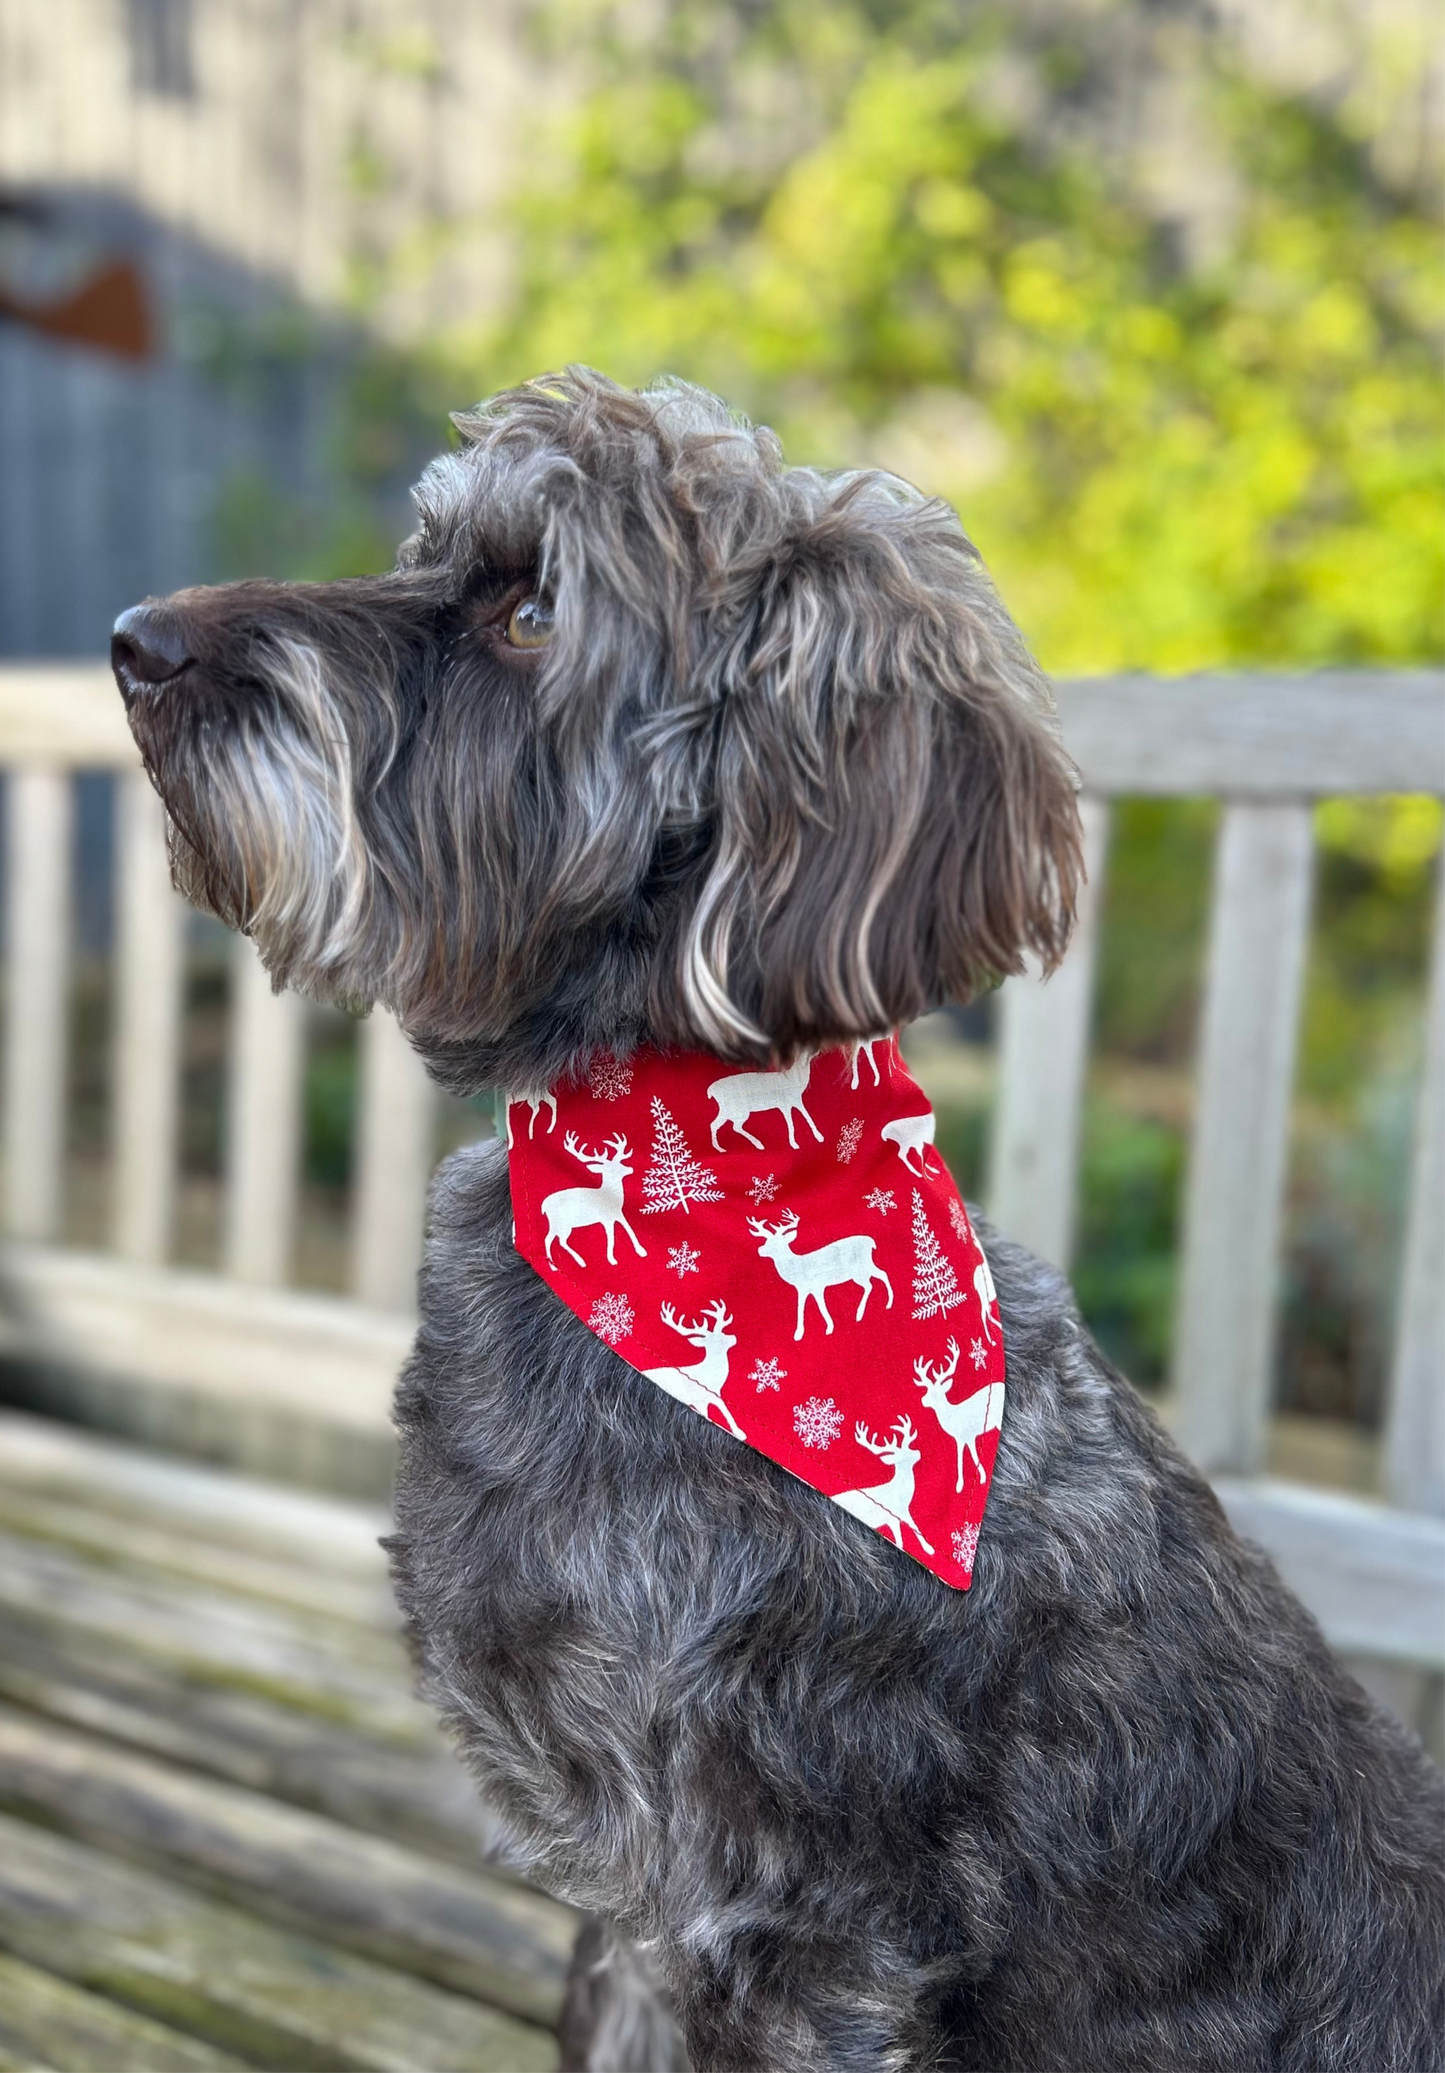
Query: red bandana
(785, 1253)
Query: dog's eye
(530, 625)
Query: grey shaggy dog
(650, 738)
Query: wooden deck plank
(416, 1794)
(133, 1542)
(47, 2022)
(271, 1997)
(479, 1935)
(335, 1671)
(218, 1507)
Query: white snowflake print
(674, 1179)
(763, 1187)
(683, 1259)
(965, 1547)
(767, 1374)
(849, 1139)
(935, 1285)
(978, 1353)
(612, 1318)
(958, 1217)
(610, 1078)
(817, 1422)
(880, 1199)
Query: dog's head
(646, 735)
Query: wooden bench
(230, 1835)
(239, 1364)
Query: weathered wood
(484, 1937)
(335, 1671)
(46, 2021)
(263, 1123)
(396, 1132)
(227, 1510)
(1043, 1053)
(37, 878)
(1258, 736)
(1375, 1578)
(149, 943)
(1414, 1458)
(1225, 1335)
(415, 1793)
(67, 715)
(274, 1351)
(127, 1543)
(275, 1998)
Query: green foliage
(329, 1102)
(848, 224)
(1132, 1171)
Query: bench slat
(1043, 1054)
(470, 1931)
(264, 1118)
(1261, 736)
(1414, 1461)
(1225, 1334)
(276, 1997)
(149, 947)
(38, 931)
(397, 1113)
(46, 2021)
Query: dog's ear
(893, 817)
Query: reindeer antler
(865, 1439)
(926, 1375)
(620, 1147)
(906, 1434)
(761, 1229)
(576, 1147)
(670, 1318)
(718, 1312)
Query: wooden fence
(1267, 747)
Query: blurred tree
(1183, 436)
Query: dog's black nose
(147, 647)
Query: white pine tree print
(674, 1179)
(935, 1285)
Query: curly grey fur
(786, 775)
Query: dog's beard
(263, 824)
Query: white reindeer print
(910, 1134)
(966, 1421)
(987, 1294)
(741, 1095)
(700, 1387)
(863, 1050)
(535, 1102)
(814, 1273)
(571, 1209)
(887, 1506)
